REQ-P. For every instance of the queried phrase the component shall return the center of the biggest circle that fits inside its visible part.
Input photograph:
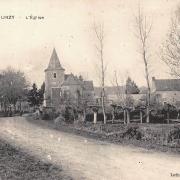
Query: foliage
(13, 86)
(131, 87)
(41, 92)
(33, 96)
(129, 101)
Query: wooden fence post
(124, 116)
(95, 117)
(128, 116)
(168, 117)
(141, 116)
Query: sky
(67, 26)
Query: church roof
(54, 62)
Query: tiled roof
(167, 84)
(66, 76)
(110, 90)
(88, 85)
(54, 62)
(70, 79)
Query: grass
(18, 165)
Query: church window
(54, 75)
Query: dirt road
(84, 158)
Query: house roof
(110, 90)
(54, 62)
(88, 85)
(167, 84)
(70, 79)
(114, 90)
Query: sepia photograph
(89, 90)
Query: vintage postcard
(90, 90)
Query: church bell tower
(54, 77)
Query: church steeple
(54, 62)
(54, 77)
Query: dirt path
(85, 158)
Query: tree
(34, 96)
(99, 33)
(13, 86)
(41, 92)
(143, 28)
(120, 90)
(170, 50)
(129, 101)
(131, 87)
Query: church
(60, 86)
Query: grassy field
(18, 165)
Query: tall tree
(41, 92)
(131, 87)
(33, 96)
(170, 50)
(13, 86)
(120, 90)
(99, 33)
(143, 29)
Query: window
(54, 75)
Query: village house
(118, 95)
(166, 90)
(59, 86)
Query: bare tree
(170, 50)
(120, 90)
(143, 28)
(99, 32)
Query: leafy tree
(34, 96)
(13, 86)
(41, 93)
(131, 87)
(129, 101)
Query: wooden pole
(124, 116)
(141, 116)
(168, 117)
(128, 117)
(95, 117)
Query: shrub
(132, 133)
(174, 134)
(49, 114)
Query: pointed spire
(54, 62)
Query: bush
(49, 114)
(132, 133)
(173, 135)
(59, 120)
